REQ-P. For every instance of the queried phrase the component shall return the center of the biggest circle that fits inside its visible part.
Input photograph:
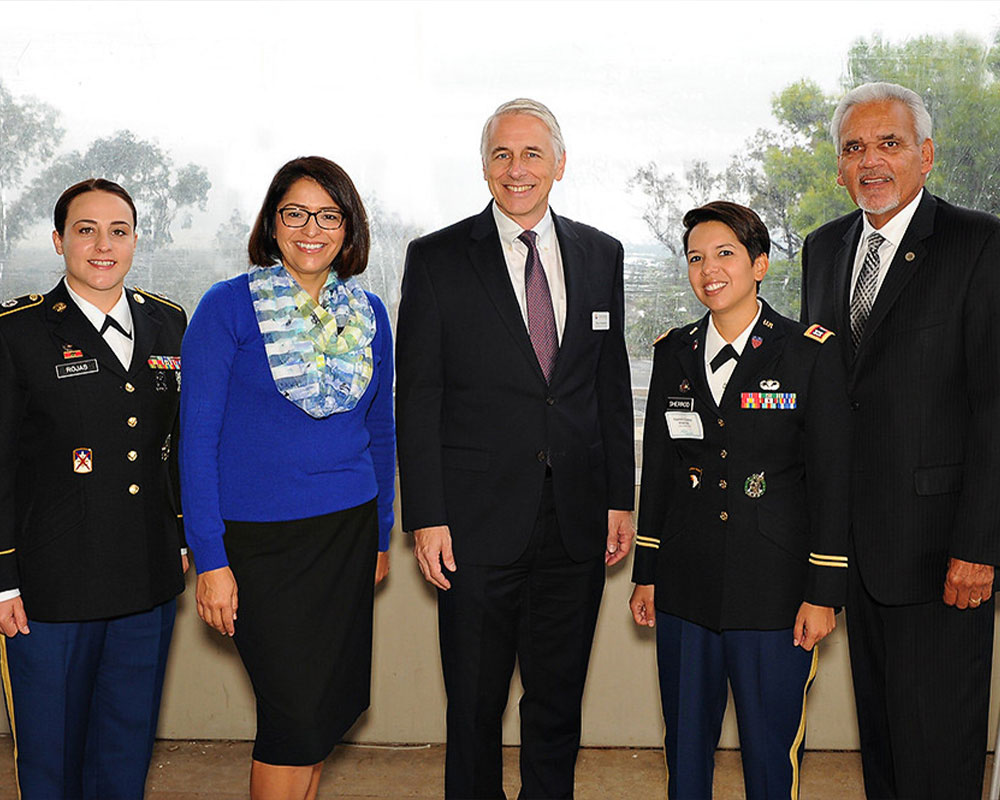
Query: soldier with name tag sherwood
(741, 548)
(90, 533)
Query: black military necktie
(726, 353)
(111, 322)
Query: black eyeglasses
(295, 217)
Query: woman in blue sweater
(287, 468)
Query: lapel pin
(694, 345)
(83, 460)
(59, 307)
(910, 255)
(756, 341)
(767, 323)
(685, 386)
(138, 298)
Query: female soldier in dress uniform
(90, 537)
(742, 513)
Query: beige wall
(207, 694)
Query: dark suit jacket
(925, 393)
(88, 545)
(477, 422)
(718, 556)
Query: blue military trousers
(83, 700)
(769, 679)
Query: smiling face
(722, 275)
(308, 252)
(881, 162)
(521, 166)
(97, 243)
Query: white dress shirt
(893, 231)
(714, 342)
(515, 253)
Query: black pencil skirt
(304, 627)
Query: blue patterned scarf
(320, 354)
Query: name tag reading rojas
(77, 368)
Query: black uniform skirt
(304, 627)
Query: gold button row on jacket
(723, 484)
(723, 516)
(133, 488)
(131, 455)
(129, 387)
(722, 423)
(132, 421)
(723, 454)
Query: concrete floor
(216, 770)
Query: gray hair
(879, 93)
(532, 108)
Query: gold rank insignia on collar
(767, 323)
(59, 307)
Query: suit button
(131, 455)
(855, 405)
(723, 454)
(133, 488)
(550, 401)
(723, 484)
(132, 421)
(129, 387)
(722, 423)
(540, 455)
(723, 516)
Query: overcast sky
(397, 92)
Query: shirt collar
(714, 341)
(509, 230)
(895, 228)
(120, 312)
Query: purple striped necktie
(541, 319)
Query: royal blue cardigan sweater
(247, 454)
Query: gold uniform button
(723, 484)
(132, 421)
(723, 454)
(129, 387)
(131, 455)
(722, 514)
(722, 423)
(133, 488)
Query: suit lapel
(575, 275)
(145, 329)
(908, 257)
(486, 255)
(843, 268)
(692, 359)
(754, 358)
(70, 325)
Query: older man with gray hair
(912, 285)
(514, 415)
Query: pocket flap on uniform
(54, 520)
(465, 458)
(938, 480)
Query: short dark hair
(89, 185)
(353, 256)
(743, 221)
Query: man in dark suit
(913, 286)
(515, 431)
(90, 539)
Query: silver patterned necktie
(864, 290)
(538, 298)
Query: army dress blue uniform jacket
(89, 512)
(746, 519)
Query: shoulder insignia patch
(138, 293)
(661, 337)
(818, 333)
(20, 303)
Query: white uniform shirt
(714, 342)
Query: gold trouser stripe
(9, 694)
(800, 734)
